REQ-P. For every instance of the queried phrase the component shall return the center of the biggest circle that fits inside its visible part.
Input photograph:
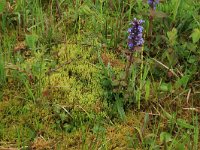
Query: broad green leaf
(195, 35)
(180, 146)
(165, 137)
(192, 59)
(166, 87)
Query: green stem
(141, 77)
(150, 26)
(128, 66)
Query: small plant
(135, 40)
(152, 4)
(122, 90)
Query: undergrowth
(68, 80)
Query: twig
(83, 110)
(188, 95)
(151, 114)
(93, 65)
(166, 67)
(15, 67)
(65, 110)
(62, 65)
(3, 148)
(58, 8)
(192, 109)
(179, 94)
(181, 74)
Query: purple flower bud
(135, 34)
(130, 30)
(140, 28)
(130, 45)
(153, 3)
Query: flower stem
(150, 26)
(128, 66)
(141, 77)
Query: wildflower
(135, 34)
(153, 3)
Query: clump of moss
(77, 81)
(67, 93)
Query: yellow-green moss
(76, 82)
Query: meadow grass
(65, 82)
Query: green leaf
(115, 82)
(123, 83)
(139, 132)
(147, 90)
(196, 134)
(192, 59)
(146, 120)
(67, 127)
(191, 47)
(122, 75)
(31, 41)
(2, 5)
(182, 82)
(176, 4)
(165, 137)
(166, 114)
(195, 35)
(172, 36)
(98, 129)
(165, 87)
(107, 83)
(146, 71)
(85, 10)
(63, 116)
(120, 108)
(182, 123)
(180, 146)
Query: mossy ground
(53, 59)
(71, 112)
